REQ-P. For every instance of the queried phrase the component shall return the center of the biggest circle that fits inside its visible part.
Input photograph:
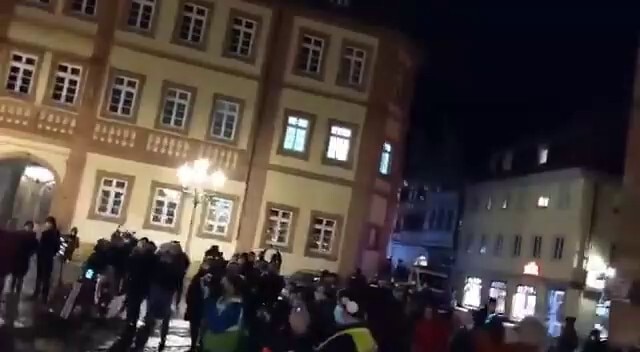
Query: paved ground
(34, 330)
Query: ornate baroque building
(304, 111)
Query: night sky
(495, 75)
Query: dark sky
(496, 74)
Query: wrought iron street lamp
(197, 179)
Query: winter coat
(28, 244)
(49, 244)
(10, 242)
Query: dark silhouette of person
(47, 250)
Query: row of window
(505, 201)
(122, 100)
(296, 140)
(194, 24)
(507, 158)
(113, 192)
(497, 248)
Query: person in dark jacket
(568, 340)
(195, 300)
(47, 250)
(27, 247)
(165, 279)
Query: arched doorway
(26, 192)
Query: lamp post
(196, 177)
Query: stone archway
(27, 187)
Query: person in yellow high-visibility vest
(352, 333)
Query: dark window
(537, 246)
(449, 220)
(440, 220)
(558, 248)
(517, 245)
(499, 244)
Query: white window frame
(353, 56)
(386, 159)
(144, 5)
(68, 77)
(297, 129)
(113, 190)
(558, 248)
(23, 67)
(340, 137)
(193, 17)
(281, 222)
(84, 7)
(177, 97)
(241, 32)
(222, 113)
(543, 202)
(124, 88)
(165, 209)
(315, 51)
(219, 217)
(325, 230)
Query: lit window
(165, 207)
(66, 84)
(537, 246)
(310, 54)
(472, 294)
(353, 65)
(243, 33)
(489, 204)
(339, 143)
(517, 246)
(505, 201)
(558, 248)
(279, 227)
(323, 233)
(385, 159)
(218, 216)
(484, 239)
(225, 118)
(175, 109)
(22, 69)
(523, 303)
(543, 155)
(497, 249)
(84, 7)
(296, 133)
(194, 20)
(498, 291)
(124, 91)
(111, 197)
(141, 14)
(543, 202)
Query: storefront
(524, 302)
(472, 293)
(555, 312)
(498, 291)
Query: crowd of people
(243, 304)
(19, 246)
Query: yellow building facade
(303, 111)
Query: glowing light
(532, 269)
(611, 272)
(196, 175)
(39, 173)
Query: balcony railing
(115, 139)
